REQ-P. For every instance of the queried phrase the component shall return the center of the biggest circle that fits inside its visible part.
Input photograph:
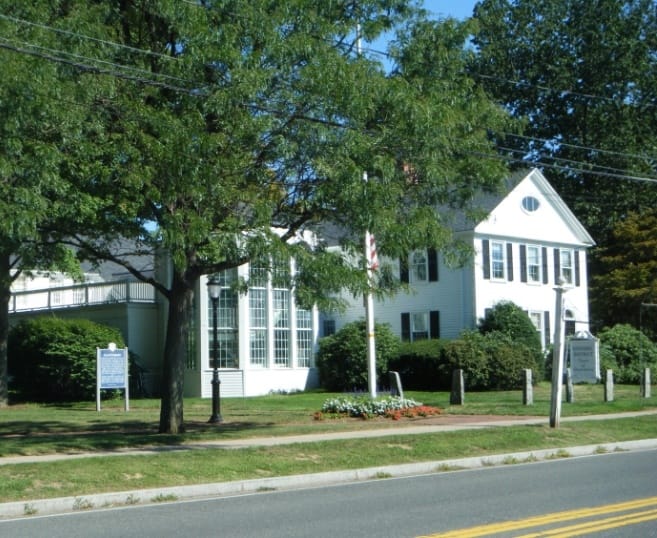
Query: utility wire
(51, 55)
(89, 38)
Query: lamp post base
(215, 418)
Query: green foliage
(507, 358)
(54, 359)
(580, 74)
(626, 351)
(492, 360)
(342, 357)
(469, 354)
(628, 274)
(216, 122)
(509, 319)
(418, 364)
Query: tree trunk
(175, 354)
(5, 296)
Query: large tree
(33, 148)
(222, 131)
(581, 74)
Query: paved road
(427, 505)
(67, 504)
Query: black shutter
(544, 256)
(523, 263)
(546, 324)
(432, 257)
(434, 324)
(557, 265)
(406, 327)
(509, 261)
(486, 253)
(577, 268)
(403, 269)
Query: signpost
(112, 372)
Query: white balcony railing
(82, 295)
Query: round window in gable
(530, 204)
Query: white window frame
(419, 326)
(419, 266)
(566, 270)
(536, 318)
(534, 268)
(227, 322)
(304, 338)
(497, 261)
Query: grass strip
(31, 481)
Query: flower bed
(364, 407)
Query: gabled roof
(487, 202)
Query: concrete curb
(159, 495)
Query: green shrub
(626, 351)
(342, 357)
(52, 359)
(508, 318)
(489, 361)
(507, 358)
(469, 354)
(418, 364)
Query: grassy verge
(25, 482)
(77, 427)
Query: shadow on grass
(47, 437)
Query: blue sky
(459, 9)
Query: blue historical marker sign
(112, 371)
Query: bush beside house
(52, 359)
(626, 351)
(418, 364)
(342, 357)
(492, 358)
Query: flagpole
(369, 302)
(370, 255)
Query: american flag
(372, 256)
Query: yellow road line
(557, 517)
(596, 525)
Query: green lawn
(40, 429)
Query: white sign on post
(112, 371)
(584, 358)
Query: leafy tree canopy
(581, 75)
(222, 131)
(625, 290)
(36, 122)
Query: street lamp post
(214, 289)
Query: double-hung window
(419, 272)
(497, 260)
(533, 264)
(419, 326)
(566, 265)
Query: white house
(528, 242)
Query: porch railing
(82, 295)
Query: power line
(576, 146)
(89, 38)
(93, 69)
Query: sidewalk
(67, 504)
